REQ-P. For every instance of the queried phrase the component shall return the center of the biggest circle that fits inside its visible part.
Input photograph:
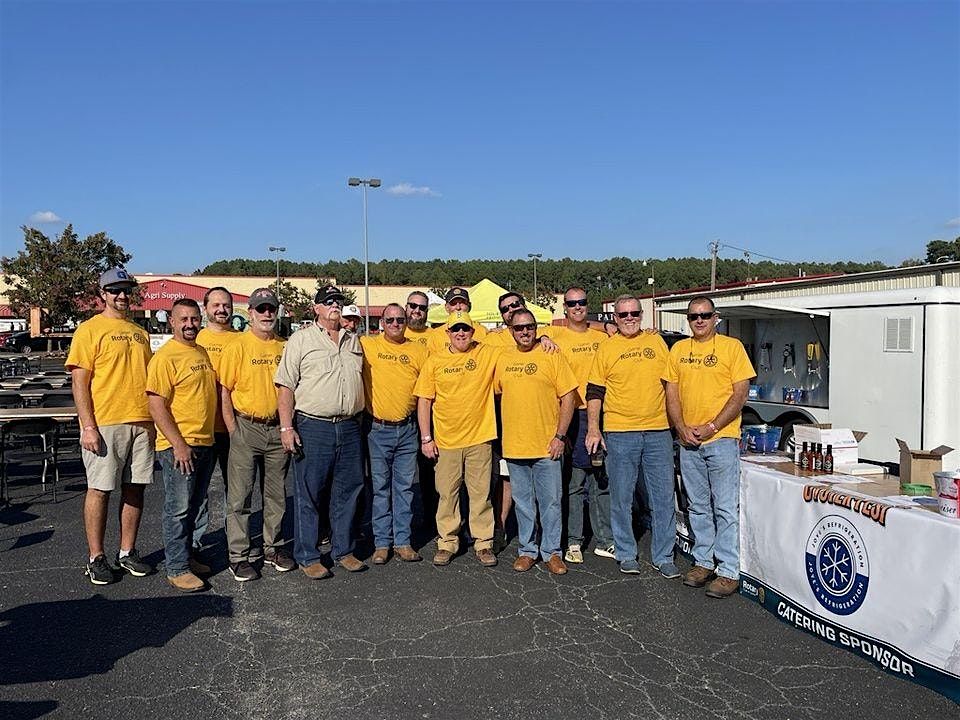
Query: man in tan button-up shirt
(320, 398)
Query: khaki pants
(453, 467)
(247, 443)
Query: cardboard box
(918, 466)
(846, 443)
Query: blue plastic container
(760, 438)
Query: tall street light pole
(651, 281)
(373, 183)
(278, 250)
(535, 256)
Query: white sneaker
(607, 552)
(573, 554)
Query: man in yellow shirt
(416, 311)
(579, 344)
(249, 402)
(625, 382)
(538, 397)
(707, 380)
(391, 366)
(457, 299)
(108, 364)
(425, 512)
(182, 396)
(456, 387)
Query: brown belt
(330, 418)
(275, 420)
(393, 423)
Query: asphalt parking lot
(398, 641)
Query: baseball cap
(117, 276)
(457, 293)
(459, 318)
(350, 311)
(263, 296)
(327, 292)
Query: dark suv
(21, 342)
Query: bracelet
(425, 439)
(286, 429)
(713, 428)
(561, 438)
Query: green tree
(939, 249)
(59, 275)
(296, 302)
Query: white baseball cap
(350, 311)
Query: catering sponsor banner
(871, 576)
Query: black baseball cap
(327, 292)
(457, 293)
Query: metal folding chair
(48, 430)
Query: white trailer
(884, 362)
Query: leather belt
(275, 420)
(330, 418)
(393, 423)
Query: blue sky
(196, 131)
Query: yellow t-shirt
(421, 337)
(580, 348)
(461, 387)
(184, 376)
(390, 372)
(530, 386)
(247, 366)
(705, 373)
(501, 337)
(116, 353)
(214, 343)
(630, 369)
(438, 339)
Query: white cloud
(406, 189)
(954, 223)
(45, 216)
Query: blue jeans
(588, 480)
(711, 472)
(646, 454)
(332, 453)
(393, 471)
(184, 501)
(537, 482)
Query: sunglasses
(118, 291)
(461, 327)
(330, 302)
(395, 321)
(700, 316)
(574, 303)
(510, 306)
(417, 306)
(525, 326)
(629, 313)
(265, 309)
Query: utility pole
(714, 249)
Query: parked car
(21, 342)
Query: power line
(752, 252)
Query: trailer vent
(899, 335)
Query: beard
(417, 323)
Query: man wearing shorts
(108, 361)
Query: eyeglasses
(264, 309)
(394, 320)
(524, 326)
(461, 327)
(417, 306)
(330, 302)
(700, 316)
(118, 291)
(510, 306)
(629, 313)
(582, 302)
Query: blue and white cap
(117, 276)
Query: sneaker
(630, 567)
(99, 571)
(573, 554)
(669, 571)
(243, 571)
(608, 552)
(280, 559)
(133, 564)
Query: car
(21, 342)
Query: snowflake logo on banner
(837, 566)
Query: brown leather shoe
(317, 571)
(407, 553)
(381, 555)
(697, 577)
(486, 557)
(186, 582)
(524, 563)
(556, 566)
(442, 557)
(351, 564)
(722, 587)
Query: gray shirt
(325, 376)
